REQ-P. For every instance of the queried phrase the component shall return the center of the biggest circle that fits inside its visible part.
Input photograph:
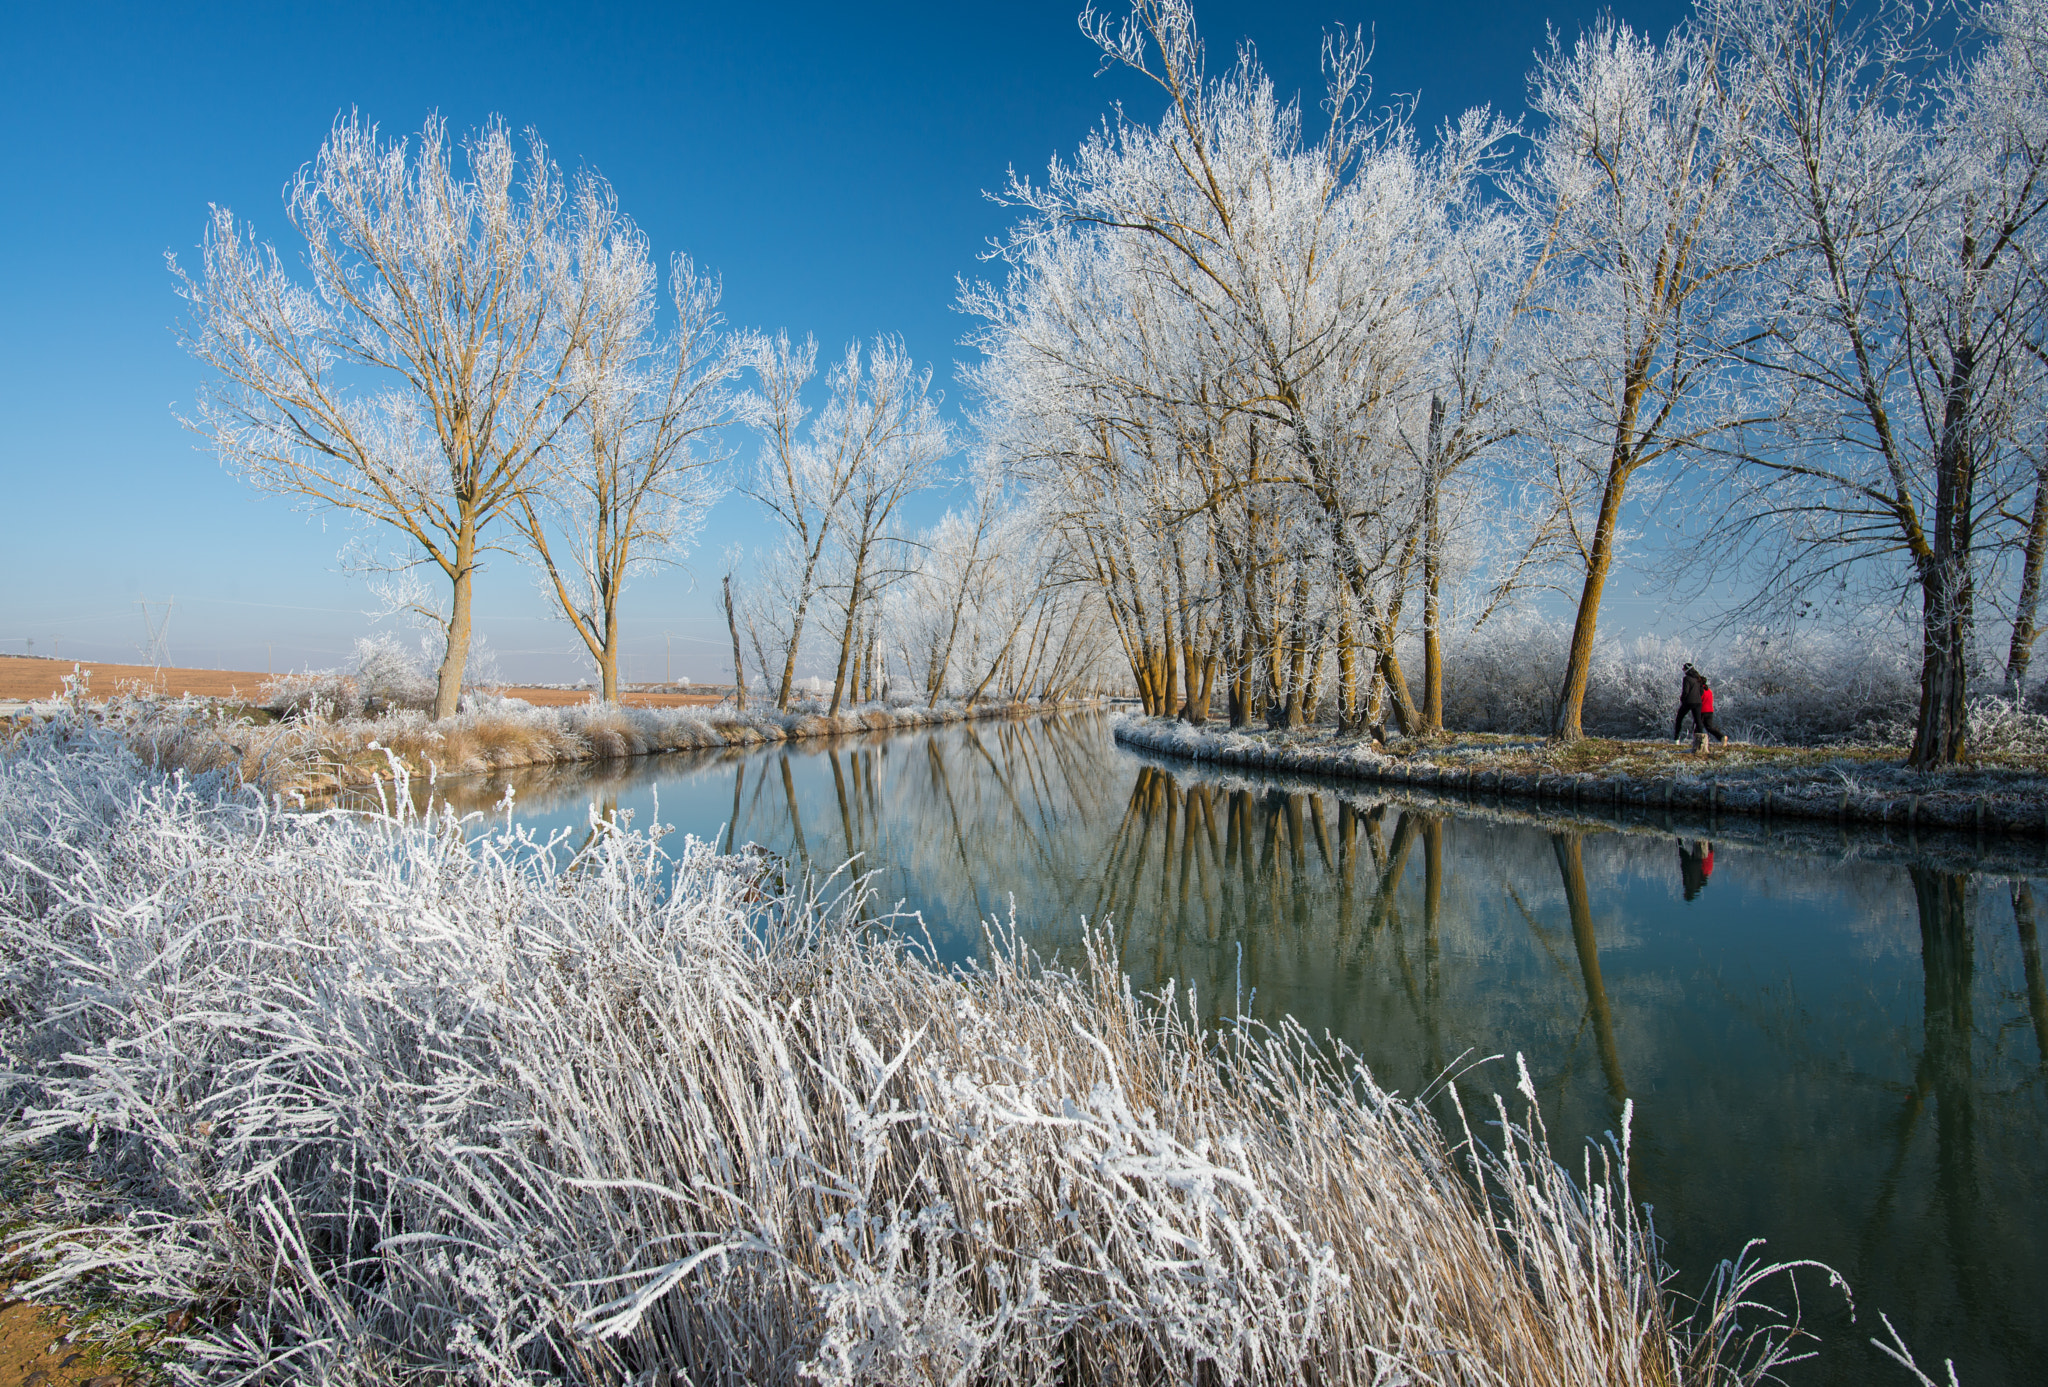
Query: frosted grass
(308, 755)
(385, 1101)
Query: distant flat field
(25, 677)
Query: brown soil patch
(32, 1354)
(23, 676)
(26, 677)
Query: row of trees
(1262, 398)
(478, 352)
(1283, 386)
(480, 362)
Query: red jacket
(1707, 700)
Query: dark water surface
(1833, 1044)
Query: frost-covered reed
(377, 1099)
(309, 754)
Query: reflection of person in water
(1695, 865)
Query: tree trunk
(1295, 706)
(847, 638)
(448, 689)
(1405, 716)
(1947, 586)
(1567, 726)
(1312, 691)
(1432, 576)
(1350, 716)
(608, 657)
(1168, 667)
(851, 635)
(1943, 725)
(2027, 614)
(796, 633)
(739, 668)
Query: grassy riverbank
(2002, 793)
(357, 1100)
(314, 757)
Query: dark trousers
(1701, 722)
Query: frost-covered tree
(1477, 376)
(1212, 343)
(418, 370)
(1905, 178)
(800, 487)
(890, 435)
(838, 480)
(626, 480)
(933, 612)
(1636, 184)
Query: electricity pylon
(157, 629)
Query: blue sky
(828, 161)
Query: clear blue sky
(827, 160)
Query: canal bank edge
(2017, 806)
(307, 760)
(600, 732)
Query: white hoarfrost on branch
(418, 379)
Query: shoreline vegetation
(312, 757)
(351, 1098)
(1836, 784)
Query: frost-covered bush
(1807, 688)
(1999, 725)
(1504, 677)
(1800, 690)
(387, 675)
(392, 1103)
(383, 676)
(315, 694)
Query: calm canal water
(1838, 1049)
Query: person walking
(1690, 687)
(1696, 696)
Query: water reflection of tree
(1571, 866)
(1387, 924)
(1271, 867)
(1274, 872)
(1234, 887)
(2030, 957)
(1946, 1077)
(948, 823)
(604, 818)
(1942, 1078)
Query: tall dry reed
(397, 1100)
(308, 754)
